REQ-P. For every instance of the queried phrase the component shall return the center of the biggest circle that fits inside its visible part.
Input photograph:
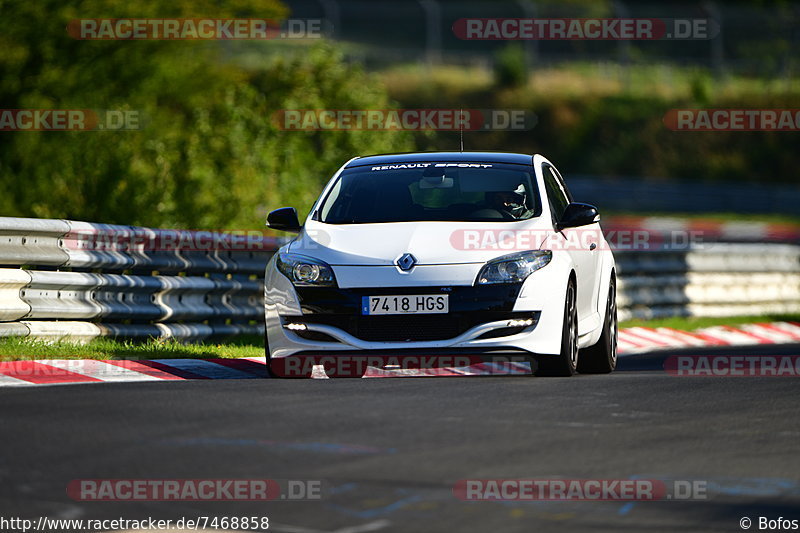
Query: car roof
(416, 157)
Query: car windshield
(411, 192)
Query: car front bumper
(329, 320)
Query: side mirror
(577, 214)
(284, 219)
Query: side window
(561, 183)
(555, 192)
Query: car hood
(431, 243)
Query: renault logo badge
(406, 262)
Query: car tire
(601, 358)
(565, 363)
(271, 373)
(267, 358)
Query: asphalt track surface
(390, 450)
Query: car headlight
(305, 271)
(513, 268)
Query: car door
(581, 243)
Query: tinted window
(432, 191)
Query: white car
(445, 252)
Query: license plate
(404, 304)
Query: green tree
(208, 154)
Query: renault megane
(446, 252)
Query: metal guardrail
(78, 280)
(717, 279)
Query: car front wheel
(565, 363)
(601, 358)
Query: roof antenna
(461, 127)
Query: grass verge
(580, 79)
(690, 323)
(15, 349)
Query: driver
(511, 203)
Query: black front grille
(407, 328)
(401, 328)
